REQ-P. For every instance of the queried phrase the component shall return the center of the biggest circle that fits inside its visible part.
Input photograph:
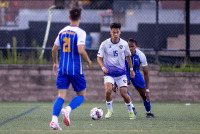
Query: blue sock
(58, 106)
(147, 105)
(76, 102)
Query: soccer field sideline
(172, 118)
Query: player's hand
(115, 87)
(147, 94)
(55, 69)
(89, 63)
(132, 73)
(105, 70)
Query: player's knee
(124, 94)
(108, 91)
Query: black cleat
(150, 115)
(134, 110)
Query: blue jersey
(138, 59)
(70, 60)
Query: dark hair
(75, 13)
(133, 41)
(115, 25)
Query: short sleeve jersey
(113, 55)
(70, 60)
(137, 59)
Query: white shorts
(121, 81)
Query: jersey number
(66, 45)
(115, 53)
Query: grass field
(32, 118)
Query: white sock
(54, 118)
(129, 107)
(69, 109)
(132, 105)
(109, 105)
(148, 112)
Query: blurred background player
(142, 85)
(71, 41)
(111, 58)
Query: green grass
(176, 118)
(182, 68)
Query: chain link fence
(158, 26)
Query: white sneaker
(109, 114)
(55, 126)
(65, 114)
(132, 116)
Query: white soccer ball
(96, 113)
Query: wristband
(131, 69)
(147, 90)
(102, 68)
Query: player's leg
(147, 104)
(122, 84)
(62, 84)
(79, 85)
(133, 107)
(57, 108)
(129, 82)
(108, 82)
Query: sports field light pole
(47, 31)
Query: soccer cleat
(109, 114)
(134, 110)
(132, 116)
(65, 114)
(150, 115)
(55, 126)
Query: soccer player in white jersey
(111, 58)
(71, 41)
(141, 84)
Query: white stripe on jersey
(142, 57)
(81, 71)
(73, 55)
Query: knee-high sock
(130, 98)
(147, 105)
(76, 102)
(57, 106)
(109, 105)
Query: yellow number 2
(66, 45)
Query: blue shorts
(138, 81)
(78, 82)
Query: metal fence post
(157, 33)
(187, 31)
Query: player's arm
(128, 59)
(100, 61)
(100, 55)
(83, 54)
(55, 58)
(146, 75)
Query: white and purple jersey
(113, 55)
(70, 60)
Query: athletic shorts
(121, 81)
(138, 81)
(78, 82)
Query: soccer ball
(96, 113)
